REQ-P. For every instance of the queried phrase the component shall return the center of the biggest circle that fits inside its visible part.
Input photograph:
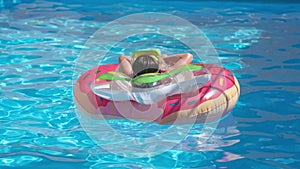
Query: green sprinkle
(192, 102)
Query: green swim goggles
(154, 53)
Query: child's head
(145, 64)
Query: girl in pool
(149, 61)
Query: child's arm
(177, 60)
(125, 65)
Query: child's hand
(164, 55)
(163, 67)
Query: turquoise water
(41, 40)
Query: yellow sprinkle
(221, 81)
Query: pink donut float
(209, 102)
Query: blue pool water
(41, 40)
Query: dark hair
(144, 64)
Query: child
(146, 62)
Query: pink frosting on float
(221, 80)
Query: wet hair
(144, 64)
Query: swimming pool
(41, 40)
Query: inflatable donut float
(209, 101)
